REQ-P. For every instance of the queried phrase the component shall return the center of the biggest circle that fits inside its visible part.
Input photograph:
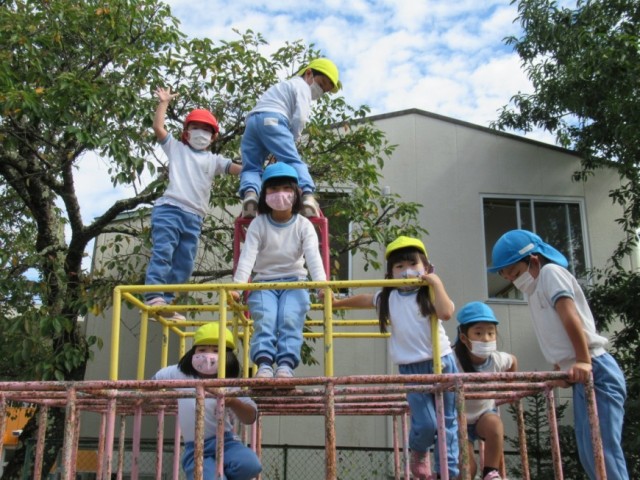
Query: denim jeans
(240, 462)
(610, 395)
(259, 140)
(278, 319)
(424, 426)
(174, 234)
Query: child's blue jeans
(424, 424)
(240, 462)
(175, 234)
(278, 319)
(610, 396)
(265, 133)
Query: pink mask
(280, 201)
(205, 363)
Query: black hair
(232, 370)
(462, 351)
(424, 303)
(278, 182)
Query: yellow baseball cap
(404, 242)
(209, 334)
(326, 67)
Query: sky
(445, 57)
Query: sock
(264, 361)
(286, 363)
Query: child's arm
(364, 300)
(245, 412)
(443, 304)
(235, 169)
(566, 309)
(164, 97)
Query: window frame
(580, 201)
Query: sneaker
(492, 475)
(284, 371)
(168, 314)
(418, 466)
(250, 204)
(310, 207)
(264, 371)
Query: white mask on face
(526, 283)
(316, 91)
(205, 363)
(279, 201)
(482, 349)
(199, 139)
(409, 273)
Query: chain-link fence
(279, 462)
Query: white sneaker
(264, 371)
(284, 371)
(250, 204)
(168, 314)
(310, 207)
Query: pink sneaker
(418, 466)
(492, 475)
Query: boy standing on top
(274, 126)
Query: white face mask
(199, 139)
(409, 273)
(205, 363)
(526, 283)
(279, 201)
(482, 349)
(316, 91)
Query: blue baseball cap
(279, 169)
(474, 312)
(515, 245)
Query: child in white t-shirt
(240, 462)
(475, 351)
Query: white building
(474, 184)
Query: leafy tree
(76, 79)
(584, 64)
(538, 438)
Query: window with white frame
(559, 222)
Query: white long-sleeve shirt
(275, 250)
(291, 98)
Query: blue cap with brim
(474, 312)
(515, 245)
(277, 170)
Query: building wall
(447, 166)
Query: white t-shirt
(410, 340)
(553, 283)
(278, 250)
(291, 98)
(190, 175)
(496, 362)
(187, 407)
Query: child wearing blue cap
(567, 335)
(278, 241)
(475, 350)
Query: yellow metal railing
(233, 315)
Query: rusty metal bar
(331, 472)
(43, 415)
(121, 439)
(553, 433)
(159, 443)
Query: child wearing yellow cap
(201, 361)
(274, 126)
(408, 311)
